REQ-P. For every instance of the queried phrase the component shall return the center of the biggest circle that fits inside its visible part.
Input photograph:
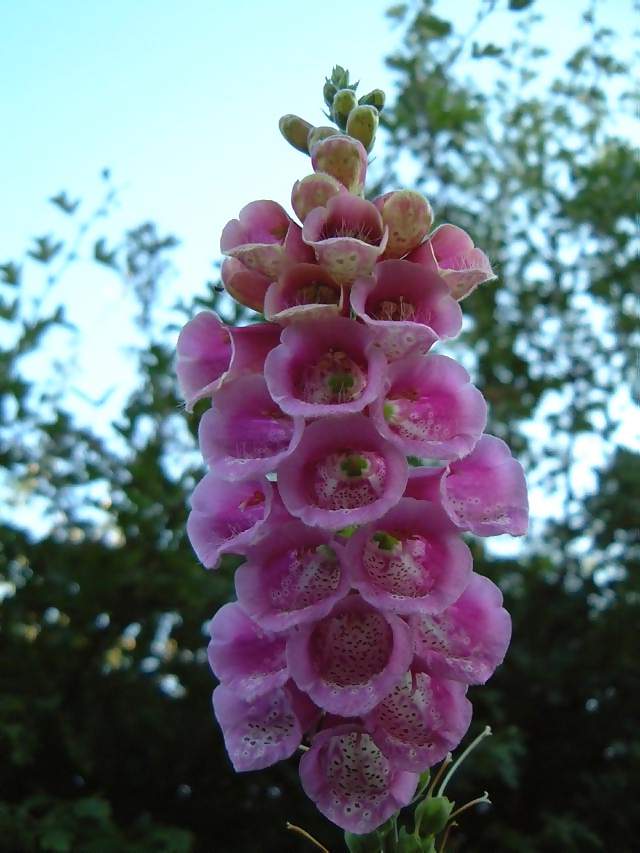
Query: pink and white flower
(303, 292)
(344, 158)
(314, 191)
(343, 472)
(327, 367)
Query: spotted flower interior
(359, 623)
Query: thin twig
(300, 831)
(446, 762)
(445, 838)
(483, 734)
(483, 799)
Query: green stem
(483, 734)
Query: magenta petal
(256, 238)
(407, 307)
(344, 158)
(469, 639)
(303, 292)
(351, 782)
(430, 409)
(246, 286)
(243, 656)
(409, 561)
(245, 434)
(294, 576)
(203, 356)
(421, 720)
(251, 345)
(226, 517)
(458, 261)
(313, 191)
(343, 472)
(259, 733)
(325, 367)
(350, 660)
(486, 491)
(424, 484)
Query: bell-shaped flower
(343, 472)
(468, 640)
(226, 518)
(294, 576)
(263, 731)
(263, 238)
(204, 353)
(452, 253)
(325, 368)
(303, 292)
(244, 433)
(429, 408)
(408, 561)
(408, 216)
(344, 158)
(351, 659)
(313, 191)
(350, 780)
(243, 656)
(246, 286)
(408, 307)
(486, 491)
(422, 719)
(347, 236)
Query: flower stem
(300, 831)
(445, 838)
(483, 799)
(445, 763)
(483, 734)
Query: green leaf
(519, 5)
(103, 256)
(362, 843)
(431, 27)
(489, 50)
(408, 843)
(45, 249)
(10, 273)
(431, 815)
(64, 202)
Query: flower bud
(317, 134)
(344, 101)
(375, 98)
(295, 130)
(362, 124)
(432, 814)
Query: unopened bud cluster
(359, 622)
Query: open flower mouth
(398, 309)
(334, 378)
(317, 293)
(348, 479)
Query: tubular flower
(359, 622)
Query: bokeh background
(130, 133)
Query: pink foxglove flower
(429, 408)
(203, 356)
(344, 158)
(245, 433)
(314, 191)
(422, 719)
(347, 236)
(407, 562)
(408, 216)
(246, 286)
(343, 472)
(350, 660)
(468, 640)
(351, 781)
(407, 307)
(325, 367)
(226, 517)
(452, 253)
(243, 656)
(295, 575)
(303, 292)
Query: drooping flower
(226, 518)
(344, 158)
(314, 191)
(244, 433)
(350, 780)
(422, 719)
(452, 253)
(347, 236)
(430, 409)
(406, 306)
(204, 353)
(326, 367)
(295, 576)
(486, 492)
(267, 729)
(246, 286)
(263, 238)
(303, 292)
(343, 472)
(351, 659)
(245, 658)
(468, 640)
(407, 562)
(408, 216)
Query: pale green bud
(344, 101)
(295, 130)
(362, 124)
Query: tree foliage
(105, 732)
